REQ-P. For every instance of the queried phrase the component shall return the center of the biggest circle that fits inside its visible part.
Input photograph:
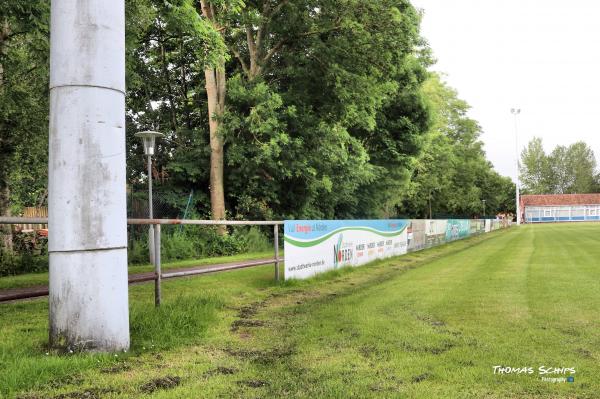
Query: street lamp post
(516, 112)
(483, 208)
(149, 141)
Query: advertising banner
(415, 234)
(435, 232)
(477, 226)
(316, 246)
(495, 225)
(488, 225)
(457, 229)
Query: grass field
(431, 324)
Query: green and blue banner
(457, 229)
(316, 246)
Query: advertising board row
(317, 246)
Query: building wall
(561, 213)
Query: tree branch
(241, 60)
(272, 52)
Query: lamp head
(149, 139)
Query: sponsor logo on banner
(342, 253)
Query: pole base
(88, 300)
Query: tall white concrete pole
(87, 201)
(515, 112)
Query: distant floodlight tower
(149, 140)
(88, 300)
(516, 112)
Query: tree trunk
(214, 87)
(215, 93)
(6, 237)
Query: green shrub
(189, 242)
(178, 246)
(253, 238)
(177, 243)
(12, 264)
(137, 253)
(30, 255)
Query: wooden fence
(33, 212)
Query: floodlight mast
(516, 112)
(88, 298)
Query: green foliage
(452, 176)
(254, 239)
(566, 170)
(320, 136)
(23, 101)
(330, 113)
(535, 169)
(12, 264)
(29, 255)
(194, 242)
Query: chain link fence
(181, 242)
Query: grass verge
(34, 279)
(429, 324)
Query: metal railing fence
(156, 242)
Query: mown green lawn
(427, 325)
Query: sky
(542, 56)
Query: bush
(30, 255)
(178, 246)
(253, 238)
(189, 242)
(12, 264)
(177, 243)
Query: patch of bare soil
(168, 382)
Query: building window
(593, 212)
(547, 213)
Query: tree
(452, 176)
(567, 170)
(23, 104)
(215, 83)
(582, 165)
(277, 109)
(535, 168)
(304, 127)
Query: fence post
(157, 271)
(276, 240)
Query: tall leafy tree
(218, 14)
(566, 170)
(271, 109)
(452, 176)
(582, 165)
(23, 103)
(535, 168)
(351, 84)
